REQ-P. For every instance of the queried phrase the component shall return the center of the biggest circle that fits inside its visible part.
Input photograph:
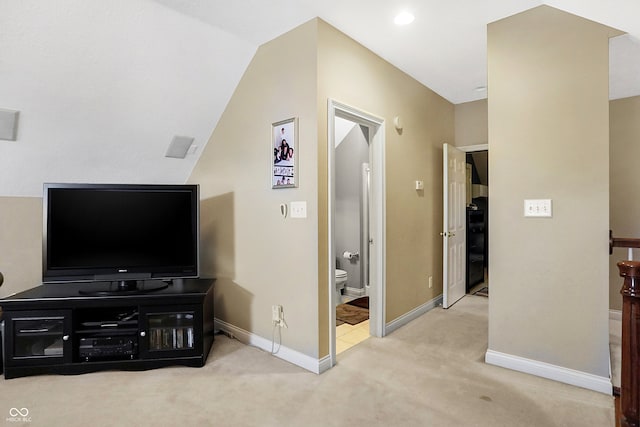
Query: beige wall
(261, 259)
(624, 208)
(471, 129)
(353, 75)
(471, 123)
(258, 257)
(548, 132)
(20, 243)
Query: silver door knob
(143, 334)
(65, 338)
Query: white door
(454, 234)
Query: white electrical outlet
(430, 282)
(276, 313)
(277, 316)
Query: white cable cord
(273, 338)
(277, 324)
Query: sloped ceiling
(103, 86)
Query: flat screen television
(122, 233)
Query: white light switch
(538, 208)
(298, 209)
(419, 185)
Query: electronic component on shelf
(95, 348)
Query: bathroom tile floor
(349, 335)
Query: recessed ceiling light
(404, 18)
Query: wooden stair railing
(630, 369)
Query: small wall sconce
(397, 123)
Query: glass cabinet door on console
(38, 338)
(167, 332)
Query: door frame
(474, 148)
(377, 225)
(465, 149)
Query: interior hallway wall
(353, 75)
(471, 123)
(258, 257)
(624, 131)
(548, 135)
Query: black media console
(54, 328)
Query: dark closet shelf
(476, 242)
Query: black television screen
(120, 232)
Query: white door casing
(454, 224)
(376, 225)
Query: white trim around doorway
(473, 148)
(377, 222)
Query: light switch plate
(298, 209)
(538, 208)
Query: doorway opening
(465, 222)
(477, 217)
(356, 223)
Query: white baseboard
(317, 366)
(552, 372)
(309, 363)
(354, 292)
(413, 314)
(324, 364)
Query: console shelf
(62, 328)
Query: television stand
(127, 287)
(53, 328)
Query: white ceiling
(103, 87)
(444, 48)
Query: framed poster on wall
(284, 144)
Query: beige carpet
(427, 373)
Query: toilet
(341, 283)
